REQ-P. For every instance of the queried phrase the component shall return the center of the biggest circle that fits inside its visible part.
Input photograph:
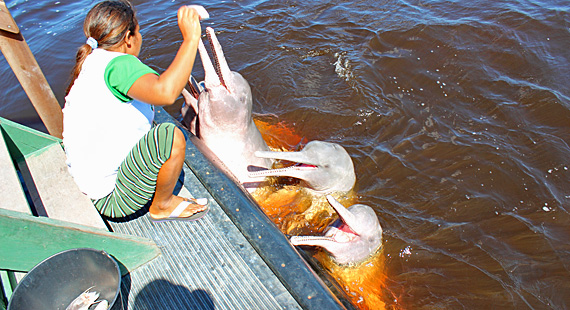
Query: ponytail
(82, 53)
(108, 23)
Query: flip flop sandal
(198, 201)
(175, 214)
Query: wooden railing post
(25, 67)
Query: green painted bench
(43, 212)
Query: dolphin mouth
(216, 73)
(302, 240)
(344, 234)
(217, 55)
(303, 165)
(340, 235)
(287, 171)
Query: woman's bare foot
(161, 211)
(164, 203)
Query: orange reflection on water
(277, 135)
(363, 283)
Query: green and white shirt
(101, 123)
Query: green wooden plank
(5, 289)
(27, 240)
(8, 283)
(23, 141)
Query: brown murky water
(456, 115)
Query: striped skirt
(136, 177)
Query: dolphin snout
(354, 239)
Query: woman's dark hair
(108, 22)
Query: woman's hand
(189, 23)
(166, 88)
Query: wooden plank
(27, 240)
(32, 79)
(7, 23)
(13, 197)
(41, 161)
(53, 190)
(24, 141)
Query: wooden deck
(233, 258)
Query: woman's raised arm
(164, 89)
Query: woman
(114, 154)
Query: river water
(455, 113)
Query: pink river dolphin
(354, 237)
(222, 118)
(325, 167)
